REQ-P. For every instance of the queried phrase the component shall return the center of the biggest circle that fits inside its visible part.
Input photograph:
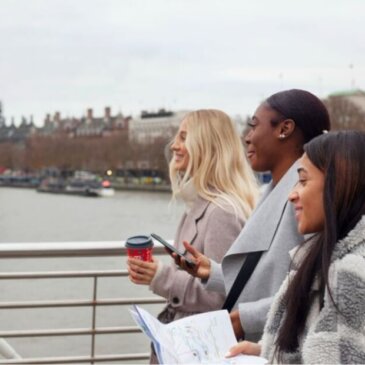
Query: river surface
(28, 216)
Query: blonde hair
(217, 165)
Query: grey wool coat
(211, 230)
(272, 229)
(331, 336)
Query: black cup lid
(139, 242)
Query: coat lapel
(192, 219)
(259, 231)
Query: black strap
(242, 278)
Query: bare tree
(96, 154)
(345, 114)
(6, 153)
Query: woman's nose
(174, 146)
(248, 138)
(293, 196)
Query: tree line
(94, 154)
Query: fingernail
(228, 354)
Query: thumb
(192, 250)
(244, 347)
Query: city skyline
(69, 56)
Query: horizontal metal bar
(62, 274)
(70, 332)
(71, 249)
(77, 359)
(79, 303)
(67, 249)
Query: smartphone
(171, 248)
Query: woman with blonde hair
(210, 173)
(217, 166)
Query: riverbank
(117, 186)
(142, 187)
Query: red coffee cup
(139, 247)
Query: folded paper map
(199, 339)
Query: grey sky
(68, 55)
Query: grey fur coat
(329, 337)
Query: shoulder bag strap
(242, 278)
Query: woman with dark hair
(318, 315)
(278, 130)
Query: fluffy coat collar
(347, 261)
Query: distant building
(147, 127)
(355, 97)
(2, 119)
(150, 126)
(15, 134)
(90, 126)
(87, 126)
(347, 109)
(56, 125)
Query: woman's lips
(298, 211)
(250, 154)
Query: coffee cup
(139, 247)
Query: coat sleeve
(338, 335)
(185, 292)
(215, 281)
(253, 315)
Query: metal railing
(69, 249)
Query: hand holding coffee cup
(142, 267)
(139, 247)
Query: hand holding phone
(171, 248)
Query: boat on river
(19, 181)
(81, 183)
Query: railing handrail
(76, 359)
(69, 249)
(79, 303)
(62, 274)
(69, 332)
(66, 249)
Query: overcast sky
(68, 55)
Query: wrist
(207, 271)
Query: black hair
(305, 109)
(340, 155)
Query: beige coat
(211, 230)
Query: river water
(28, 216)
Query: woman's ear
(286, 128)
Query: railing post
(93, 324)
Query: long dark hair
(305, 109)
(340, 155)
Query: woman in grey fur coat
(318, 316)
